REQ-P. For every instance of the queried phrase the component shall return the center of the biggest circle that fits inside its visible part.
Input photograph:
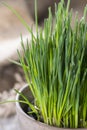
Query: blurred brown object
(42, 7)
(78, 6)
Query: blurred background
(11, 76)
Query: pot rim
(38, 122)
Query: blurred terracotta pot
(42, 7)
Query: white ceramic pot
(25, 121)
(28, 123)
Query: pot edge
(38, 122)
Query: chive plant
(55, 67)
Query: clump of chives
(55, 66)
